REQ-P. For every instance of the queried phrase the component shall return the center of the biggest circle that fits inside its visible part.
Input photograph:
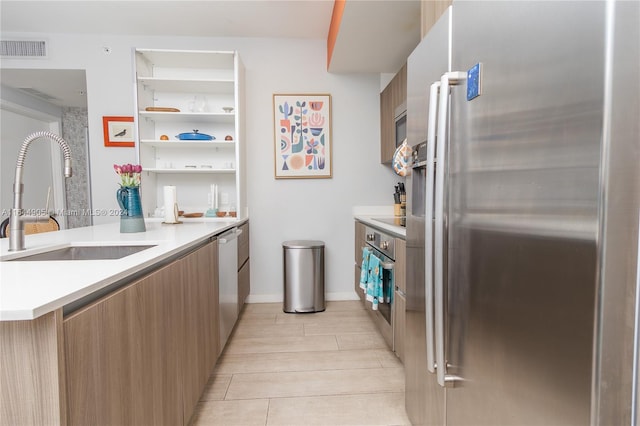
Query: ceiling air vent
(23, 48)
(38, 94)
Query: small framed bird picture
(118, 131)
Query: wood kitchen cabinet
(121, 353)
(32, 363)
(244, 284)
(430, 12)
(359, 239)
(201, 346)
(394, 95)
(143, 354)
(244, 281)
(400, 301)
(386, 124)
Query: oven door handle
(385, 265)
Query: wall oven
(383, 247)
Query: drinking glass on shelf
(198, 104)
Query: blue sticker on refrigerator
(474, 81)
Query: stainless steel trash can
(303, 267)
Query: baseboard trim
(277, 298)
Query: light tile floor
(326, 368)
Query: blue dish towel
(364, 270)
(375, 293)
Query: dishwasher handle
(229, 236)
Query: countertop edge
(369, 220)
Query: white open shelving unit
(199, 84)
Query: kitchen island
(31, 289)
(114, 341)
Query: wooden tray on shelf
(161, 109)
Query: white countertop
(369, 214)
(34, 288)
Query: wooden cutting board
(162, 109)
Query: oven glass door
(388, 286)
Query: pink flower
(129, 174)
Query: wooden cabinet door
(143, 354)
(399, 91)
(359, 242)
(400, 302)
(243, 245)
(394, 95)
(399, 322)
(244, 284)
(356, 279)
(244, 277)
(201, 343)
(400, 267)
(121, 355)
(32, 363)
(387, 128)
(158, 301)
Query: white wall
(37, 176)
(21, 115)
(279, 210)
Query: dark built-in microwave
(400, 124)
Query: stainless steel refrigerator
(522, 216)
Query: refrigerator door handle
(448, 79)
(428, 226)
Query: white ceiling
(203, 18)
(59, 87)
(375, 35)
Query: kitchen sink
(84, 253)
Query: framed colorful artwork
(118, 131)
(302, 136)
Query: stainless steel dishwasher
(228, 282)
